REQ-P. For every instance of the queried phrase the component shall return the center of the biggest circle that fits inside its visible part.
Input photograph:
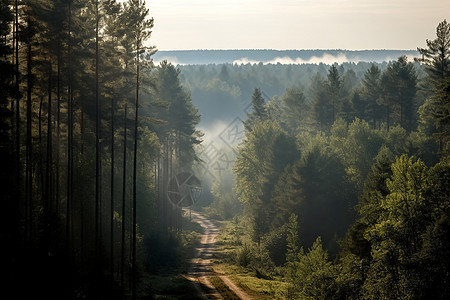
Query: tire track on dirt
(201, 265)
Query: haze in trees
(339, 187)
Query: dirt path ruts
(201, 269)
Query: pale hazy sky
(295, 24)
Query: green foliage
(258, 113)
(292, 240)
(400, 232)
(334, 90)
(390, 242)
(314, 278)
(223, 289)
(322, 197)
(266, 151)
(296, 179)
(177, 114)
(275, 243)
(294, 110)
(356, 145)
(371, 92)
(85, 63)
(441, 113)
(436, 57)
(398, 90)
(244, 255)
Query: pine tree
(334, 91)
(292, 241)
(294, 109)
(398, 90)
(436, 59)
(315, 274)
(323, 103)
(258, 113)
(371, 92)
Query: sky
(295, 24)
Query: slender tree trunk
(41, 151)
(81, 131)
(97, 139)
(69, 135)
(170, 176)
(58, 128)
(134, 223)
(165, 185)
(16, 52)
(112, 191)
(124, 186)
(48, 186)
(160, 204)
(29, 172)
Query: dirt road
(201, 269)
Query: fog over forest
(195, 57)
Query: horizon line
(268, 49)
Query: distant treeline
(221, 92)
(196, 57)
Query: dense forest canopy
(344, 180)
(223, 91)
(336, 178)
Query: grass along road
(200, 271)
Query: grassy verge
(222, 288)
(247, 278)
(258, 288)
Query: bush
(244, 255)
(275, 244)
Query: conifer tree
(398, 92)
(334, 90)
(258, 113)
(436, 59)
(371, 94)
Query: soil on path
(201, 268)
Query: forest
(341, 183)
(339, 189)
(91, 132)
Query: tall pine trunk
(124, 187)
(112, 191)
(48, 185)
(29, 156)
(16, 53)
(69, 134)
(58, 124)
(134, 223)
(97, 139)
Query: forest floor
(212, 283)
